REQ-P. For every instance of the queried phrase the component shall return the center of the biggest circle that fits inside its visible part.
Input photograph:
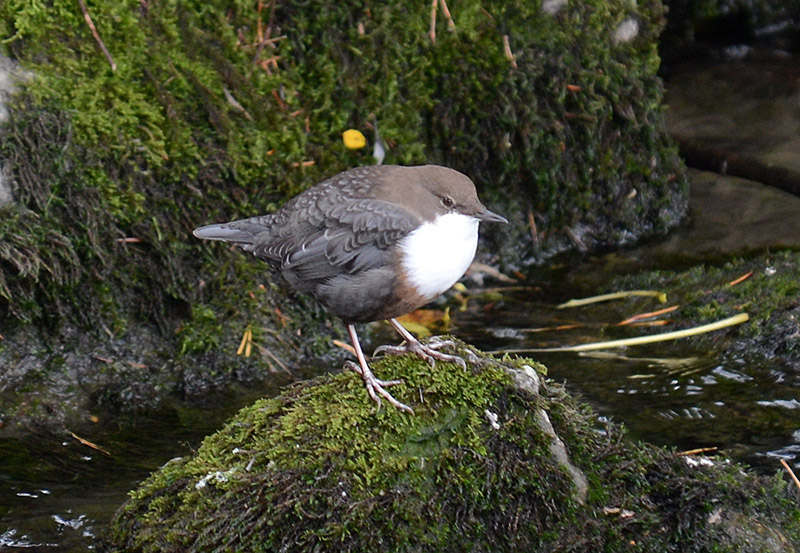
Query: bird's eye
(448, 202)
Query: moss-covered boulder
(495, 459)
(160, 116)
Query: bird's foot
(376, 388)
(427, 352)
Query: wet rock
(739, 117)
(729, 215)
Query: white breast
(438, 253)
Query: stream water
(58, 495)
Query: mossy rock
(495, 459)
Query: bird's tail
(227, 232)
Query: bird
(371, 243)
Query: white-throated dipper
(371, 243)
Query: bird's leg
(428, 352)
(375, 387)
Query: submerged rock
(495, 459)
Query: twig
(508, 53)
(277, 96)
(344, 346)
(641, 316)
(87, 443)
(534, 232)
(233, 102)
(742, 278)
(791, 472)
(572, 235)
(99, 40)
(265, 38)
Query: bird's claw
(376, 387)
(427, 352)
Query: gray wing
(354, 235)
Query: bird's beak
(491, 217)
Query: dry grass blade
(553, 328)
(246, 345)
(491, 271)
(698, 451)
(268, 353)
(638, 340)
(660, 296)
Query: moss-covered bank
(219, 110)
(763, 285)
(495, 459)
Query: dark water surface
(58, 495)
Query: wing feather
(316, 240)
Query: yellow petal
(353, 139)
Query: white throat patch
(438, 253)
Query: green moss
(318, 469)
(203, 331)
